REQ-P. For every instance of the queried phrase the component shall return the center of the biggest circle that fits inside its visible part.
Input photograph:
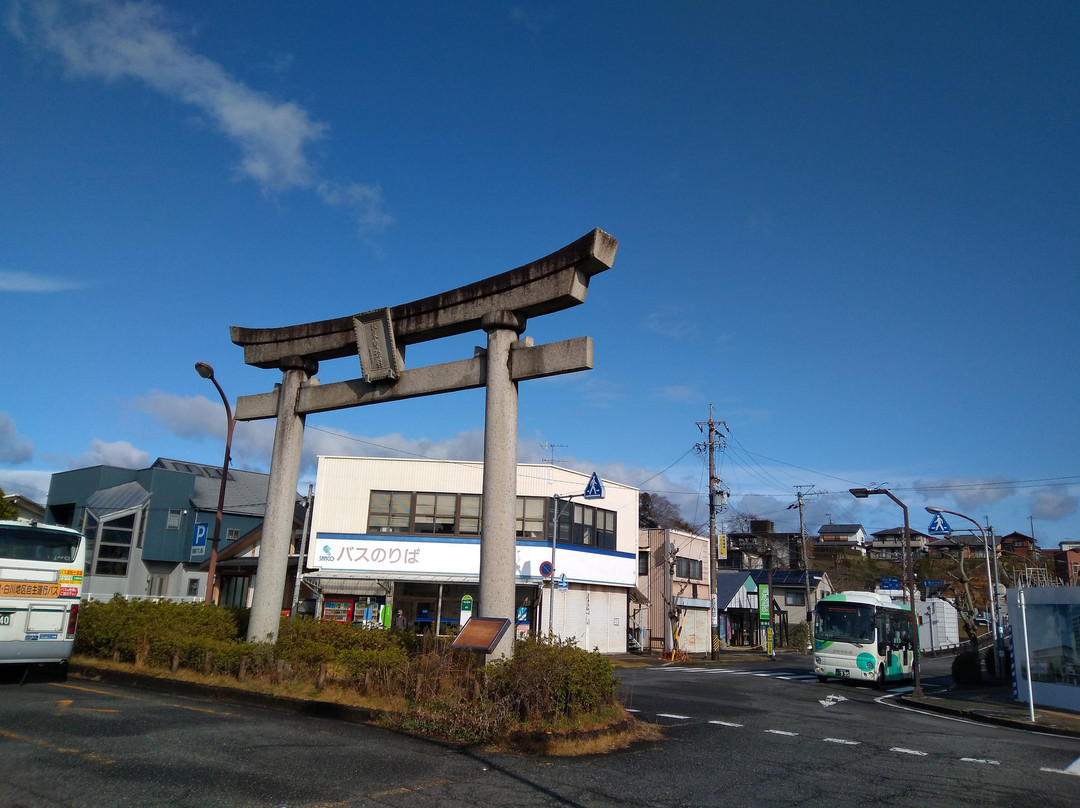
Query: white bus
(41, 573)
(862, 636)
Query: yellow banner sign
(28, 589)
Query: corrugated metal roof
(731, 589)
(124, 497)
(839, 530)
(245, 492)
(785, 577)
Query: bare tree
(656, 511)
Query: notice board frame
(481, 633)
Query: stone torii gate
(500, 306)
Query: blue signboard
(595, 488)
(198, 538)
(890, 583)
(938, 525)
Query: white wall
(1052, 617)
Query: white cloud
(14, 448)
(112, 41)
(970, 493)
(1053, 504)
(677, 392)
(29, 282)
(673, 322)
(31, 484)
(120, 454)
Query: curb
(987, 715)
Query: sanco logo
(327, 553)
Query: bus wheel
(822, 679)
(879, 682)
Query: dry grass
(289, 688)
(554, 744)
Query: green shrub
(147, 631)
(798, 636)
(551, 680)
(966, 668)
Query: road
(735, 735)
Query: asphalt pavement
(991, 702)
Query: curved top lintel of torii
(555, 282)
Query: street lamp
(989, 578)
(863, 493)
(207, 372)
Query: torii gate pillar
(498, 547)
(280, 502)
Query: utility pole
(717, 501)
(806, 556)
(806, 568)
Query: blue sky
(851, 229)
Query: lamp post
(207, 372)
(990, 584)
(863, 493)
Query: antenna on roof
(551, 447)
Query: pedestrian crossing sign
(938, 525)
(595, 488)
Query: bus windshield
(844, 622)
(37, 544)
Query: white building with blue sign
(390, 535)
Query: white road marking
(841, 741)
(782, 732)
(904, 751)
(830, 700)
(1073, 769)
(672, 715)
(726, 723)
(980, 760)
(631, 710)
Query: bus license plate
(5, 618)
(842, 673)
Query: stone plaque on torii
(500, 306)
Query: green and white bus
(41, 573)
(862, 636)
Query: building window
(643, 562)
(424, 513)
(605, 529)
(193, 587)
(688, 568)
(530, 517)
(441, 514)
(469, 519)
(436, 513)
(794, 597)
(232, 534)
(586, 526)
(390, 512)
(173, 522)
(114, 545)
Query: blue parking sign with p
(198, 537)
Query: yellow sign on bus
(28, 589)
